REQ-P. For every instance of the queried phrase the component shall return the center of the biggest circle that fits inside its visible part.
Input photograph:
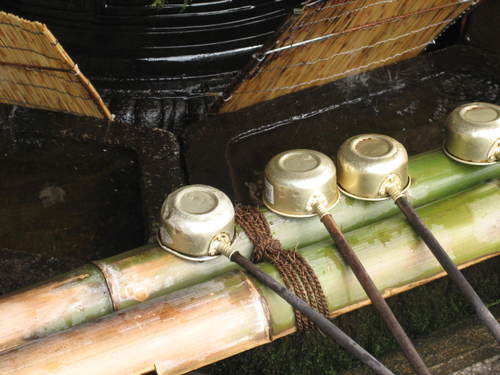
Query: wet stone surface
(484, 27)
(463, 348)
(490, 366)
(63, 199)
(169, 105)
(156, 151)
(75, 189)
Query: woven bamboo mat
(329, 40)
(36, 72)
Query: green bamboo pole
(63, 302)
(204, 323)
(148, 272)
(395, 257)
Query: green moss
(164, 3)
(421, 311)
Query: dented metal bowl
(194, 219)
(473, 134)
(296, 180)
(368, 164)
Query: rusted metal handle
(373, 293)
(326, 326)
(455, 275)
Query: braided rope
(296, 273)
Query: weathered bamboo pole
(148, 272)
(67, 300)
(204, 323)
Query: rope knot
(296, 273)
(265, 248)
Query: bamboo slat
(336, 39)
(148, 272)
(36, 72)
(190, 328)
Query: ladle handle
(455, 275)
(373, 293)
(326, 326)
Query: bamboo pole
(459, 280)
(176, 325)
(63, 302)
(468, 224)
(385, 312)
(149, 271)
(182, 331)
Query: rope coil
(296, 273)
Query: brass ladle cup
(473, 134)
(375, 167)
(301, 183)
(197, 224)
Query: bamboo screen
(334, 39)
(36, 72)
